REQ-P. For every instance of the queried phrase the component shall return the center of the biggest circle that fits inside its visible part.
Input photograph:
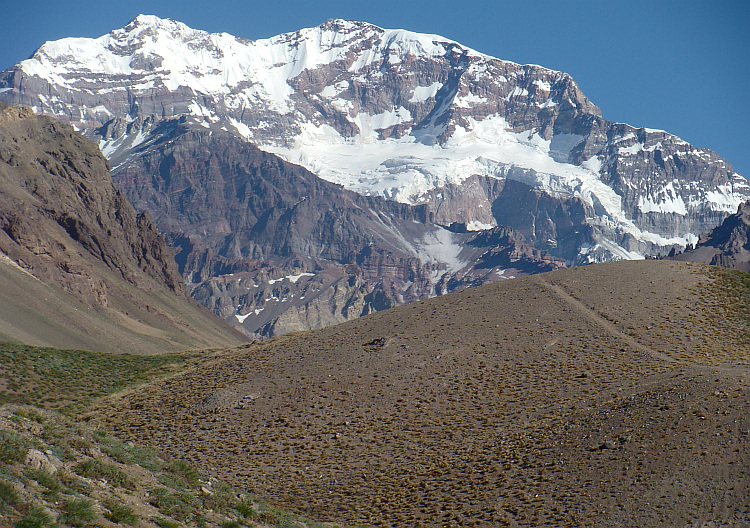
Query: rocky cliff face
(272, 248)
(727, 245)
(64, 223)
(59, 208)
(411, 117)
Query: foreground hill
(607, 395)
(55, 471)
(79, 268)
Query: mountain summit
(397, 114)
(473, 168)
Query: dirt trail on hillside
(739, 369)
(596, 318)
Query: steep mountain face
(64, 224)
(272, 248)
(52, 176)
(727, 245)
(414, 118)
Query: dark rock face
(272, 248)
(727, 245)
(59, 211)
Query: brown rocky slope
(72, 244)
(607, 395)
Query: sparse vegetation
(44, 478)
(8, 495)
(481, 418)
(75, 493)
(78, 512)
(120, 513)
(176, 504)
(13, 448)
(96, 469)
(37, 517)
(245, 509)
(493, 406)
(69, 380)
(734, 288)
(130, 453)
(165, 523)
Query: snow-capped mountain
(272, 248)
(415, 118)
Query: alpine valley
(339, 170)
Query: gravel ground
(608, 395)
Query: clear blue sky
(679, 65)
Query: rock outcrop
(727, 245)
(64, 223)
(272, 248)
(59, 208)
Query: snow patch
(667, 200)
(543, 85)
(476, 225)
(292, 278)
(422, 93)
(439, 247)
(295, 278)
(469, 100)
(517, 92)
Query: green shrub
(121, 513)
(188, 476)
(127, 454)
(223, 497)
(177, 504)
(31, 415)
(44, 478)
(37, 517)
(13, 447)
(230, 524)
(164, 523)
(74, 483)
(78, 512)
(170, 482)
(102, 470)
(65, 441)
(245, 509)
(8, 495)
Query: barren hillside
(607, 395)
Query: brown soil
(609, 395)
